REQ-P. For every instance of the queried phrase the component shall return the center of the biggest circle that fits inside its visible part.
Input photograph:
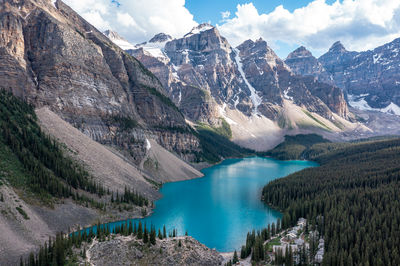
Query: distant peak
(160, 37)
(200, 28)
(118, 40)
(300, 52)
(337, 47)
(112, 35)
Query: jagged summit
(303, 63)
(113, 35)
(337, 47)
(200, 28)
(299, 53)
(118, 40)
(160, 37)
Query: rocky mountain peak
(260, 49)
(113, 35)
(84, 78)
(337, 47)
(300, 52)
(303, 63)
(118, 40)
(200, 28)
(160, 37)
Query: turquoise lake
(220, 208)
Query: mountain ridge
(250, 80)
(369, 78)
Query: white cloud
(137, 20)
(225, 15)
(358, 24)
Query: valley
(223, 145)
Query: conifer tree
(145, 235)
(235, 258)
(164, 232)
(153, 235)
(140, 231)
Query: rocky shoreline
(128, 250)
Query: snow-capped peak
(118, 40)
(200, 28)
(155, 47)
(160, 37)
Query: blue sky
(285, 25)
(210, 10)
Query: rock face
(118, 40)
(131, 251)
(370, 78)
(273, 81)
(52, 57)
(303, 63)
(205, 76)
(375, 72)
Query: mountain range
(261, 95)
(249, 87)
(370, 79)
(139, 115)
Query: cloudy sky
(285, 24)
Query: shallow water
(220, 208)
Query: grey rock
(52, 57)
(374, 72)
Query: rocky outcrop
(273, 81)
(373, 74)
(203, 71)
(52, 57)
(209, 80)
(194, 101)
(303, 63)
(371, 78)
(130, 251)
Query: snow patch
(124, 45)
(176, 68)
(392, 108)
(376, 58)
(155, 49)
(54, 3)
(175, 75)
(254, 97)
(285, 94)
(360, 103)
(222, 113)
(199, 29)
(180, 96)
(148, 145)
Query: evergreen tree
(153, 236)
(235, 258)
(140, 231)
(145, 235)
(164, 232)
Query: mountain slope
(303, 63)
(86, 79)
(248, 86)
(369, 78)
(352, 199)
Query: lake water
(220, 208)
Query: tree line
(58, 251)
(352, 199)
(50, 170)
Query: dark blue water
(220, 208)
